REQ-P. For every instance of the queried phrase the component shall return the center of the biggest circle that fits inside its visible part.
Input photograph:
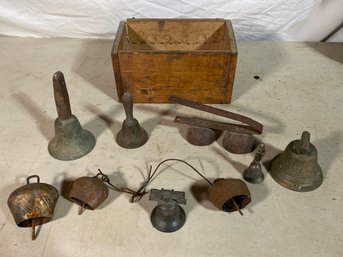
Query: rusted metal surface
(88, 192)
(297, 167)
(200, 136)
(131, 135)
(229, 195)
(33, 204)
(168, 215)
(253, 173)
(200, 122)
(71, 141)
(238, 143)
(256, 126)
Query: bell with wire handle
(71, 141)
(88, 192)
(297, 167)
(33, 204)
(229, 195)
(131, 135)
(168, 215)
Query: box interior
(175, 35)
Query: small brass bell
(71, 141)
(253, 173)
(297, 167)
(88, 192)
(131, 135)
(168, 215)
(33, 204)
(229, 195)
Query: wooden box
(189, 58)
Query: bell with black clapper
(131, 135)
(168, 215)
(297, 167)
(33, 204)
(71, 141)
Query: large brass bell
(131, 135)
(297, 167)
(88, 192)
(33, 204)
(71, 141)
(229, 195)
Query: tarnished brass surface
(71, 141)
(88, 192)
(297, 167)
(33, 204)
(253, 173)
(131, 135)
(226, 193)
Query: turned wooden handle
(128, 105)
(61, 96)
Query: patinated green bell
(71, 141)
(297, 167)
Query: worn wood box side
(193, 59)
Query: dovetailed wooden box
(189, 58)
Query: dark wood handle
(128, 105)
(61, 96)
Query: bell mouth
(38, 221)
(81, 203)
(240, 200)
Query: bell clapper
(236, 206)
(33, 233)
(82, 208)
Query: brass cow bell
(131, 135)
(229, 195)
(88, 192)
(168, 215)
(33, 204)
(297, 167)
(71, 141)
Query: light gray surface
(300, 89)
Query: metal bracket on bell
(71, 141)
(168, 215)
(88, 192)
(33, 204)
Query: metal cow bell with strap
(297, 167)
(88, 192)
(33, 204)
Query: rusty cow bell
(33, 204)
(229, 195)
(88, 192)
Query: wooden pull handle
(61, 96)
(128, 105)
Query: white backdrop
(293, 20)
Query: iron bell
(131, 135)
(229, 195)
(88, 192)
(200, 136)
(168, 215)
(71, 141)
(297, 167)
(239, 143)
(33, 204)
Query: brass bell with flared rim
(131, 135)
(71, 141)
(297, 167)
(88, 192)
(33, 204)
(229, 195)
